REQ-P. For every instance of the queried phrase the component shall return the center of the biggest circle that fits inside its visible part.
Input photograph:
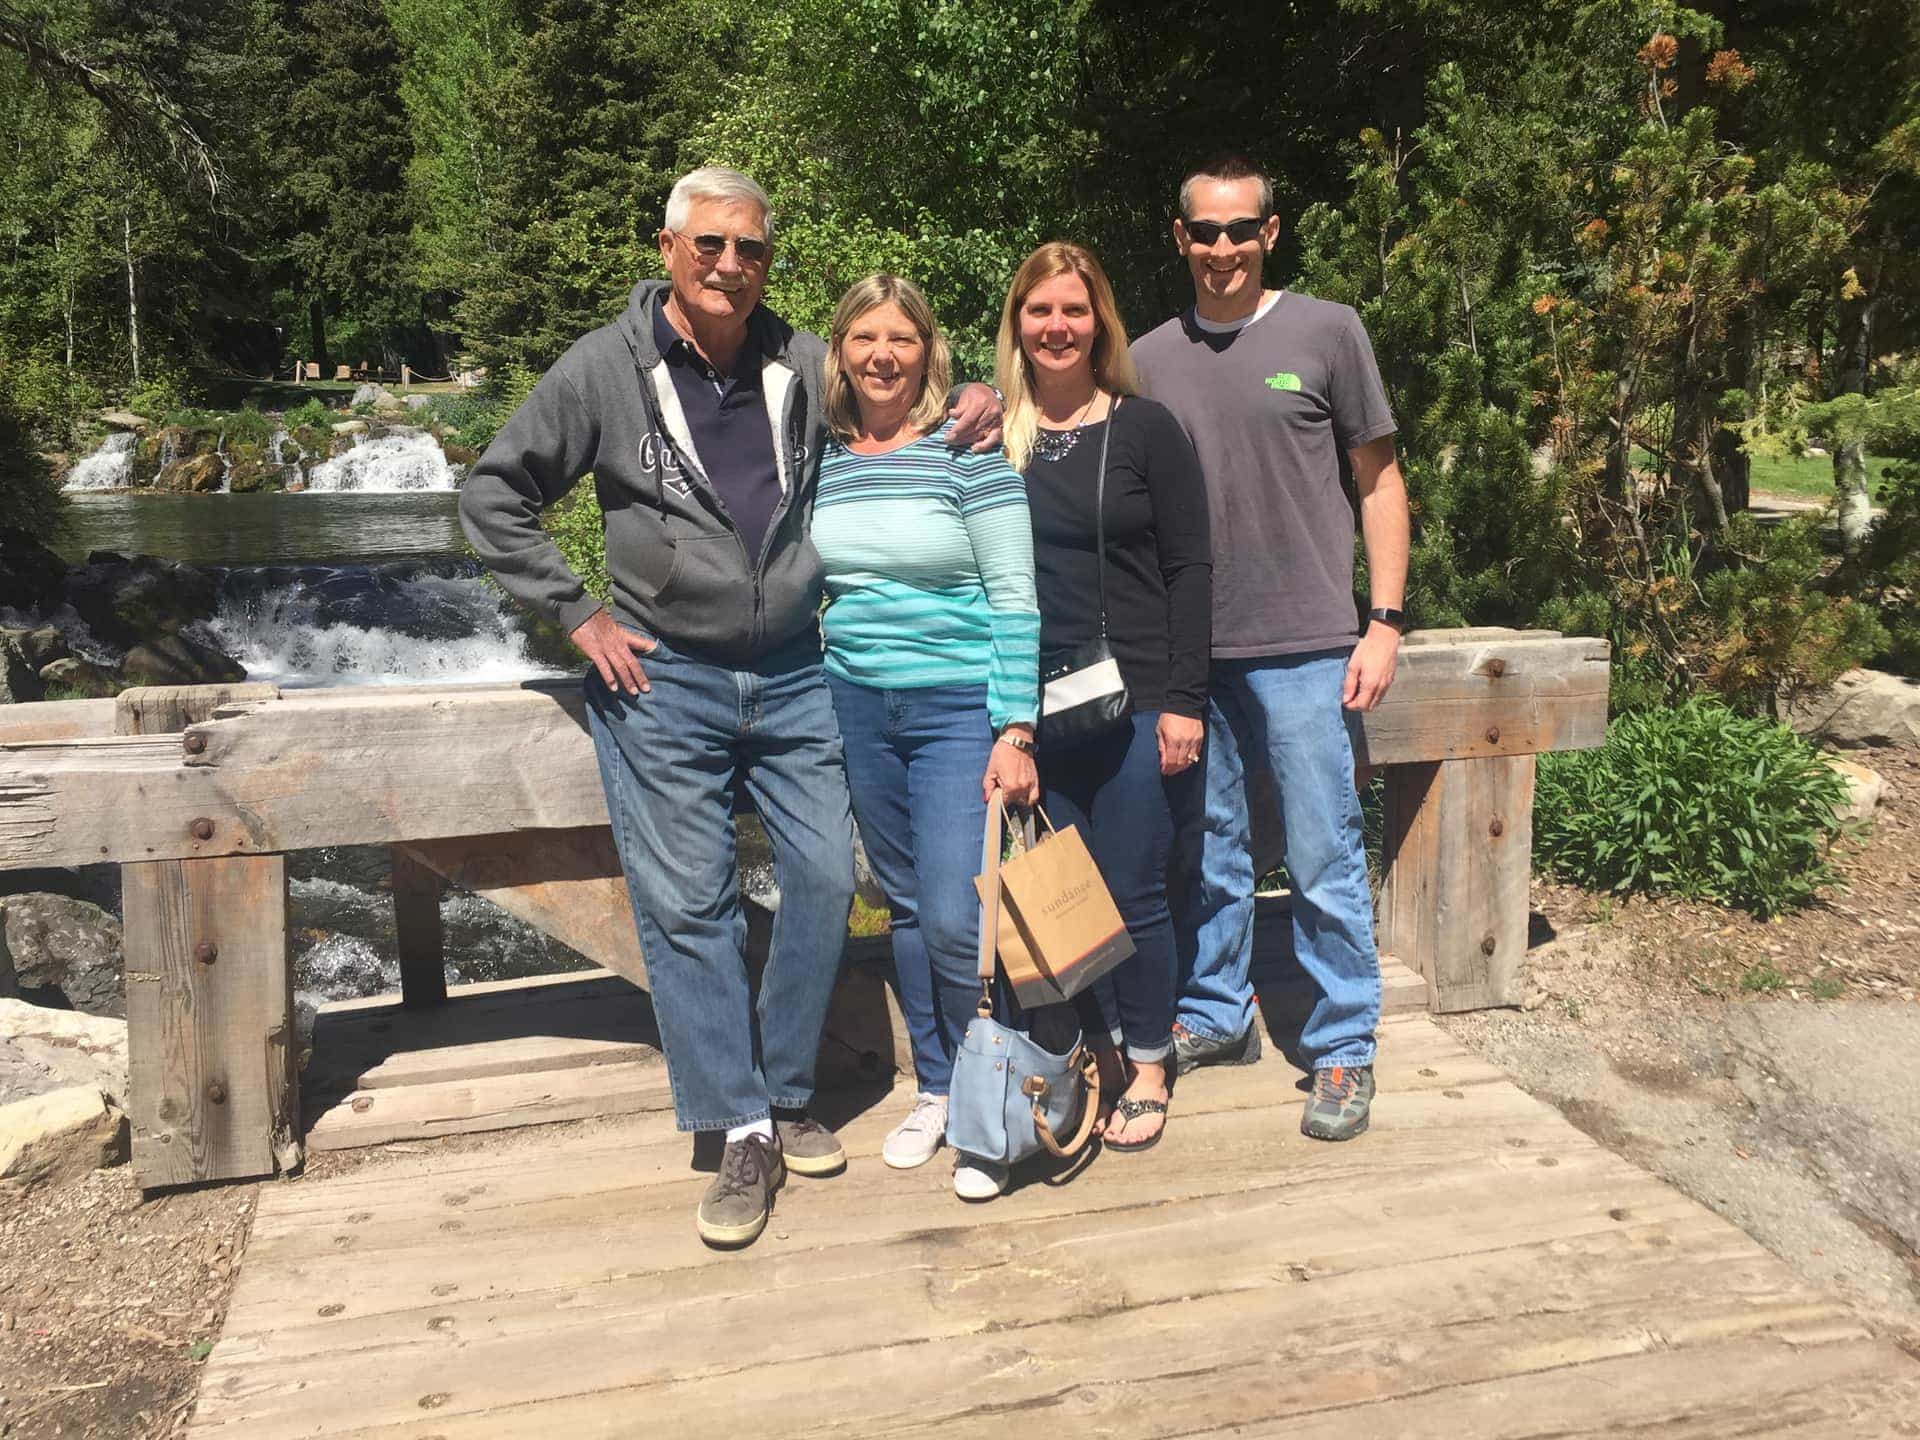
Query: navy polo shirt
(732, 439)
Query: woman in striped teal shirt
(932, 653)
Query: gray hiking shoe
(807, 1146)
(735, 1208)
(1337, 1109)
(1190, 1051)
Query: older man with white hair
(699, 414)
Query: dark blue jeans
(915, 759)
(1112, 789)
(669, 760)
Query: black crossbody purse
(1082, 693)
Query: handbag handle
(990, 895)
(1035, 1089)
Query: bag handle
(990, 895)
(1100, 516)
(1035, 1089)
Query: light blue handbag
(1011, 1097)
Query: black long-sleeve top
(1159, 560)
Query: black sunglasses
(1206, 232)
(712, 247)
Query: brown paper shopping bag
(1059, 928)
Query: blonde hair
(1112, 362)
(842, 404)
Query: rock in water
(43, 1050)
(59, 1136)
(177, 660)
(62, 950)
(82, 678)
(1863, 707)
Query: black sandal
(1133, 1110)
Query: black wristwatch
(1387, 615)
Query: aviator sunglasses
(1206, 232)
(711, 247)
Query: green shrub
(314, 415)
(578, 528)
(1694, 801)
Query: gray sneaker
(807, 1146)
(1337, 1109)
(735, 1208)
(1190, 1051)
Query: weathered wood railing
(199, 794)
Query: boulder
(1862, 707)
(201, 475)
(1864, 790)
(246, 476)
(178, 660)
(59, 1136)
(418, 402)
(126, 601)
(123, 420)
(348, 429)
(19, 680)
(42, 1049)
(81, 679)
(43, 645)
(61, 951)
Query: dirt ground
(1769, 1069)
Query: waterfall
(108, 468)
(405, 623)
(402, 459)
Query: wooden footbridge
(1473, 1266)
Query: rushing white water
(400, 460)
(355, 629)
(108, 468)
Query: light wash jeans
(915, 759)
(669, 761)
(1284, 713)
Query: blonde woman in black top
(1063, 364)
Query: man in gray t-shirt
(1273, 388)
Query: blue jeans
(1283, 712)
(915, 759)
(669, 760)
(1113, 790)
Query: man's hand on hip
(1370, 667)
(614, 652)
(976, 418)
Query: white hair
(716, 182)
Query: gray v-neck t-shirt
(1270, 408)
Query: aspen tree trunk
(133, 297)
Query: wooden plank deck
(1473, 1267)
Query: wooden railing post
(417, 931)
(1453, 898)
(212, 1088)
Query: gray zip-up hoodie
(680, 569)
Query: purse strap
(990, 895)
(1100, 516)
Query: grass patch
(1829, 988)
(1762, 979)
(1810, 477)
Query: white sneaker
(977, 1179)
(915, 1138)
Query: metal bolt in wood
(1487, 946)
(1497, 826)
(201, 829)
(217, 1093)
(1493, 735)
(195, 743)
(206, 952)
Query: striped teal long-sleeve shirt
(929, 571)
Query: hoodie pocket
(708, 590)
